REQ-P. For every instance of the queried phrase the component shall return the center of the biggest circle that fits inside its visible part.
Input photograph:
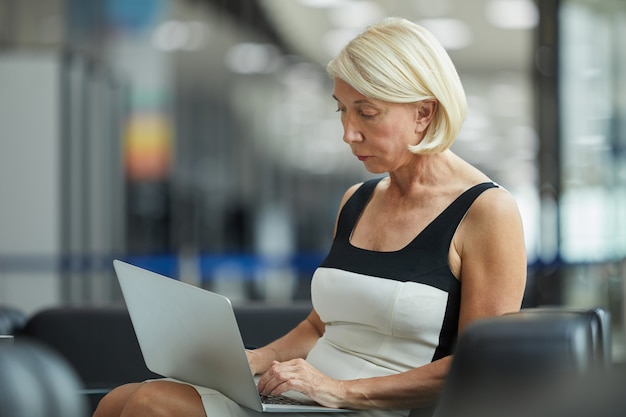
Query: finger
(278, 379)
(266, 378)
(293, 382)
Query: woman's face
(378, 132)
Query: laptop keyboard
(282, 399)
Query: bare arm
(493, 258)
(415, 388)
(295, 344)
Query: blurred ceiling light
(432, 8)
(198, 34)
(170, 35)
(253, 58)
(320, 4)
(355, 15)
(452, 33)
(302, 77)
(336, 39)
(512, 14)
(175, 35)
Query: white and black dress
(385, 312)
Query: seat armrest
(515, 364)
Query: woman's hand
(299, 375)
(260, 359)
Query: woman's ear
(425, 112)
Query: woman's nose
(351, 132)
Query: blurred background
(198, 139)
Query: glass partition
(592, 205)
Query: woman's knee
(161, 398)
(113, 403)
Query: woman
(417, 255)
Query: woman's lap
(217, 404)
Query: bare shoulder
(493, 217)
(494, 202)
(493, 222)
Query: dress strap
(353, 208)
(445, 225)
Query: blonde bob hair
(398, 61)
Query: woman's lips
(362, 158)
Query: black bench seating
(514, 365)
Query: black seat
(99, 343)
(37, 382)
(526, 363)
(599, 321)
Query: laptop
(191, 334)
